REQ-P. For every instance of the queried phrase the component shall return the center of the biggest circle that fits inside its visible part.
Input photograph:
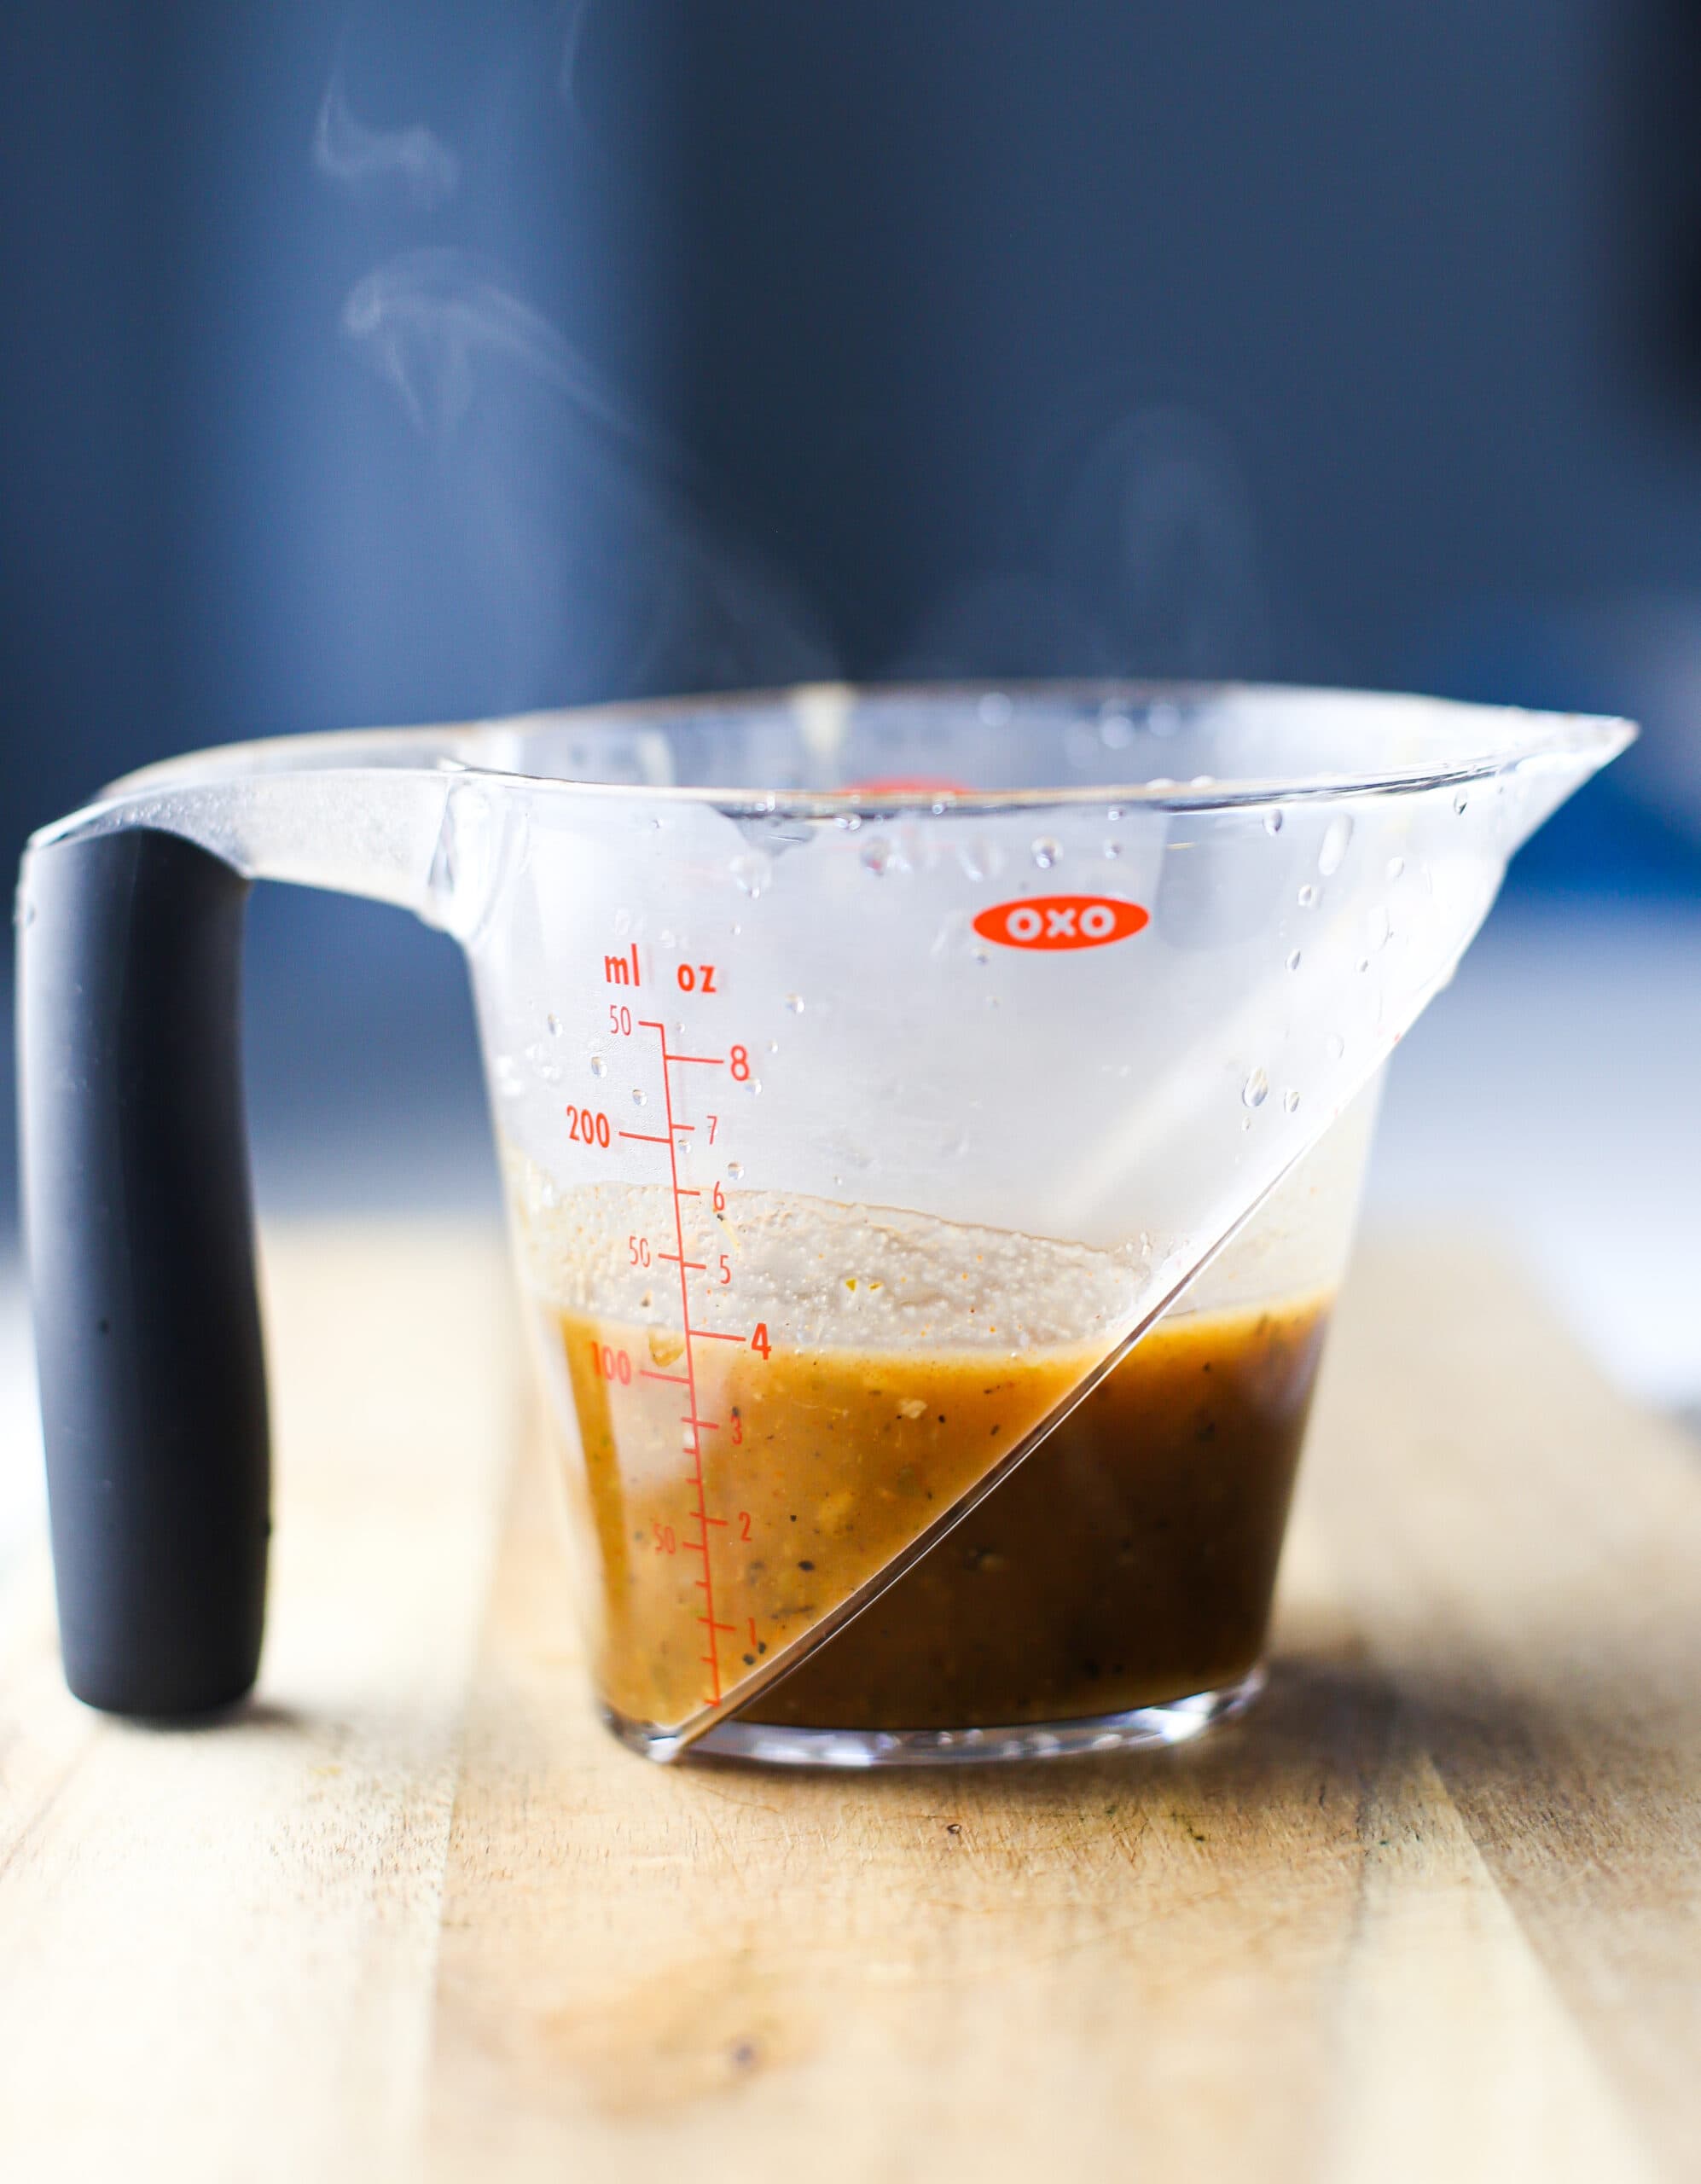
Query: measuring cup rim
(1488, 740)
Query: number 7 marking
(714, 1124)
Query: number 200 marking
(587, 1126)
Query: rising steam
(567, 69)
(1158, 541)
(369, 162)
(429, 320)
(1141, 559)
(584, 527)
(603, 574)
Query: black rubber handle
(139, 1224)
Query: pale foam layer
(817, 1274)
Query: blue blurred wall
(912, 301)
(395, 363)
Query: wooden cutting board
(1432, 1912)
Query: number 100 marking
(609, 1364)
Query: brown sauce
(1131, 1559)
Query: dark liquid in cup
(1130, 1559)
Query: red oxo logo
(1060, 921)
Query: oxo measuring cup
(932, 1121)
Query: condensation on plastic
(1086, 1127)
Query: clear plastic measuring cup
(932, 1120)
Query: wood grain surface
(1432, 1912)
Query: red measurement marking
(712, 1659)
(708, 1061)
(907, 784)
(704, 1426)
(708, 1335)
(678, 1379)
(641, 1137)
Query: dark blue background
(898, 286)
(994, 336)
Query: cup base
(1140, 1728)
